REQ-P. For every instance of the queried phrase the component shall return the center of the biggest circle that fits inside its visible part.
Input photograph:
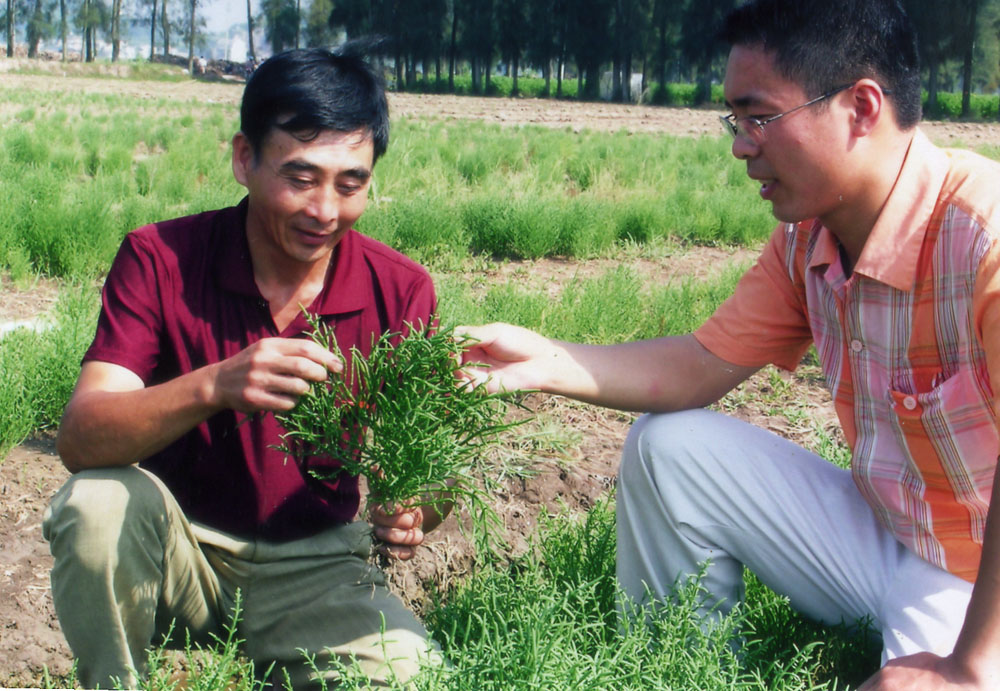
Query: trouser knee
(97, 512)
(663, 450)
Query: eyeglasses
(753, 129)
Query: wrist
(207, 391)
(977, 671)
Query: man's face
(799, 163)
(304, 195)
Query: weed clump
(401, 419)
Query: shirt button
(856, 346)
(909, 402)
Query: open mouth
(767, 188)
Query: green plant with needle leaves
(401, 418)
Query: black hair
(822, 45)
(306, 91)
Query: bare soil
(570, 457)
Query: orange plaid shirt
(909, 345)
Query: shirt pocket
(950, 433)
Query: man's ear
(243, 158)
(869, 105)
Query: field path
(576, 115)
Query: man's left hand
(924, 671)
(399, 529)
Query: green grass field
(79, 171)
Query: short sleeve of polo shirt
(764, 321)
(131, 316)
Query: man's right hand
(271, 374)
(505, 356)
(113, 419)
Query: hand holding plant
(402, 418)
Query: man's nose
(744, 148)
(325, 204)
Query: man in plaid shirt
(886, 259)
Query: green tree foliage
(39, 26)
(281, 21)
(91, 16)
(938, 29)
(588, 42)
(318, 30)
(512, 30)
(700, 22)
(545, 42)
(478, 39)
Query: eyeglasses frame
(730, 122)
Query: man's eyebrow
(743, 102)
(298, 165)
(359, 173)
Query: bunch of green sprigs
(403, 419)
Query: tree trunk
(616, 78)
(34, 30)
(559, 76)
(514, 91)
(87, 33)
(10, 28)
(63, 29)
(451, 48)
(116, 39)
(967, 82)
(298, 22)
(933, 67)
(971, 16)
(662, 57)
(703, 90)
(645, 75)
(165, 20)
(627, 77)
(194, 5)
(152, 32)
(250, 51)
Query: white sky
(221, 14)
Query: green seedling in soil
(404, 420)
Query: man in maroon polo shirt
(198, 342)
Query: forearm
(978, 647)
(116, 428)
(661, 375)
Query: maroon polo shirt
(180, 295)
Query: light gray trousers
(698, 485)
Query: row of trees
(55, 18)
(663, 40)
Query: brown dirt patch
(30, 638)
(552, 274)
(26, 300)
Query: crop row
(78, 180)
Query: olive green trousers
(129, 568)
